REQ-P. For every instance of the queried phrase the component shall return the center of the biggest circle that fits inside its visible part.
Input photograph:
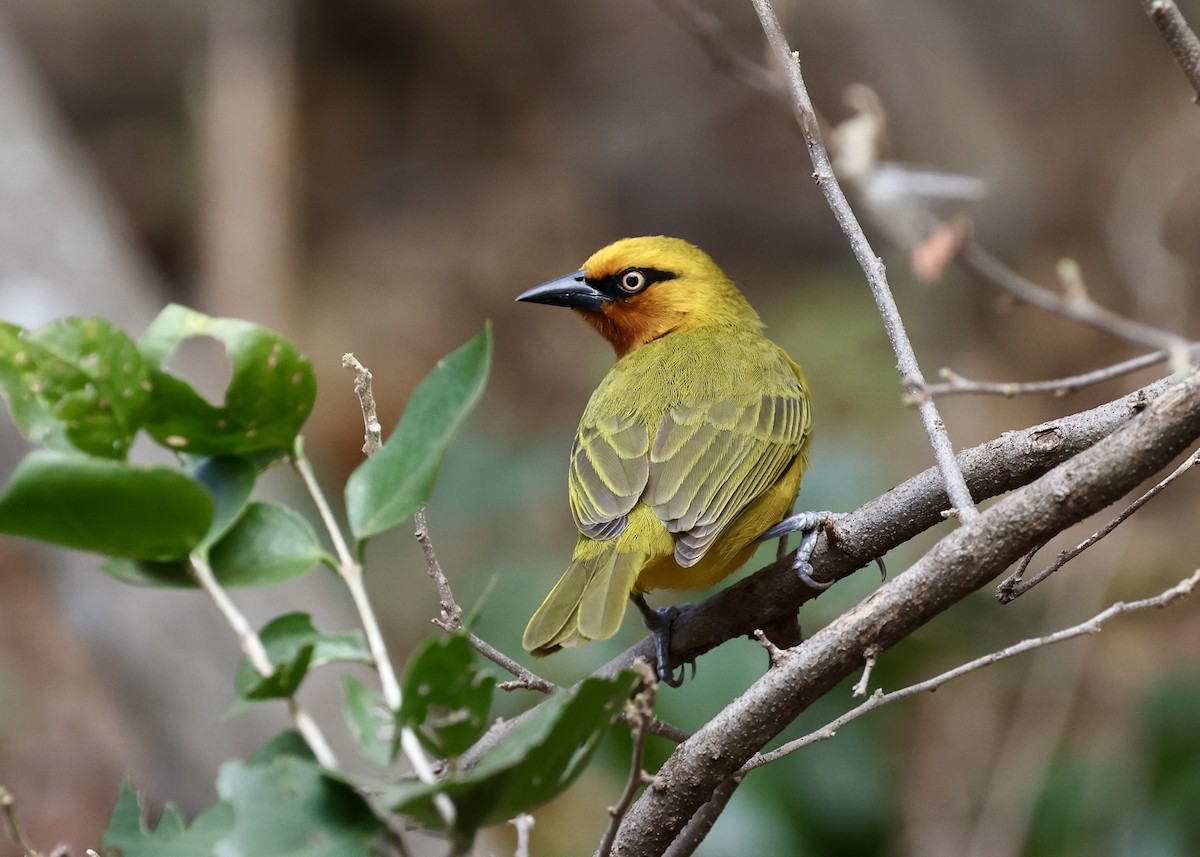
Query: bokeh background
(381, 176)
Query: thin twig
(452, 614)
(1014, 586)
(870, 655)
(351, 572)
(708, 32)
(640, 712)
(373, 432)
(956, 384)
(976, 259)
(1180, 38)
(523, 823)
(252, 645)
(525, 678)
(872, 266)
(878, 698)
(12, 824)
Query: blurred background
(381, 176)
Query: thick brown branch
(963, 562)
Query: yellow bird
(690, 449)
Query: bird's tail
(587, 603)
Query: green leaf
(78, 378)
(257, 544)
(104, 506)
(30, 414)
(130, 836)
(268, 544)
(368, 717)
(285, 806)
(229, 481)
(267, 401)
(294, 646)
(535, 762)
(387, 488)
(446, 697)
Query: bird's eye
(633, 281)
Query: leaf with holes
(129, 835)
(269, 396)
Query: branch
(961, 563)
(872, 266)
(351, 572)
(879, 698)
(1015, 586)
(372, 431)
(12, 825)
(956, 384)
(639, 713)
(452, 617)
(774, 593)
(1179, 38)
(256, 653)
(1073, 304)
(708, 32)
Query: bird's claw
(658, 622)
(810, 525)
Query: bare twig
(452, 614)
(956, 384)
(256, 654)
(906, 360)
(12, 824)
(870, 655)
(706, 29)
(976, 259)
(639, 711)
(523, 823)
(366, 400)
(1180, 38)
(1015, 585)
(878, 698)
(351, 572)
(525, 678)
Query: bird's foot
(809, 525)
(658, 622)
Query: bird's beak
(572, 290)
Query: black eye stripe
(616, 286)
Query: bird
(691, 448)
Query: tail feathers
(587, 603)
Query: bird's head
(639, 289)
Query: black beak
(572, 290)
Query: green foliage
(277, 803)
(387, 488)
(105, 506)
(84, 390)
(294, 646)
(446, 698)
(536, 762)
